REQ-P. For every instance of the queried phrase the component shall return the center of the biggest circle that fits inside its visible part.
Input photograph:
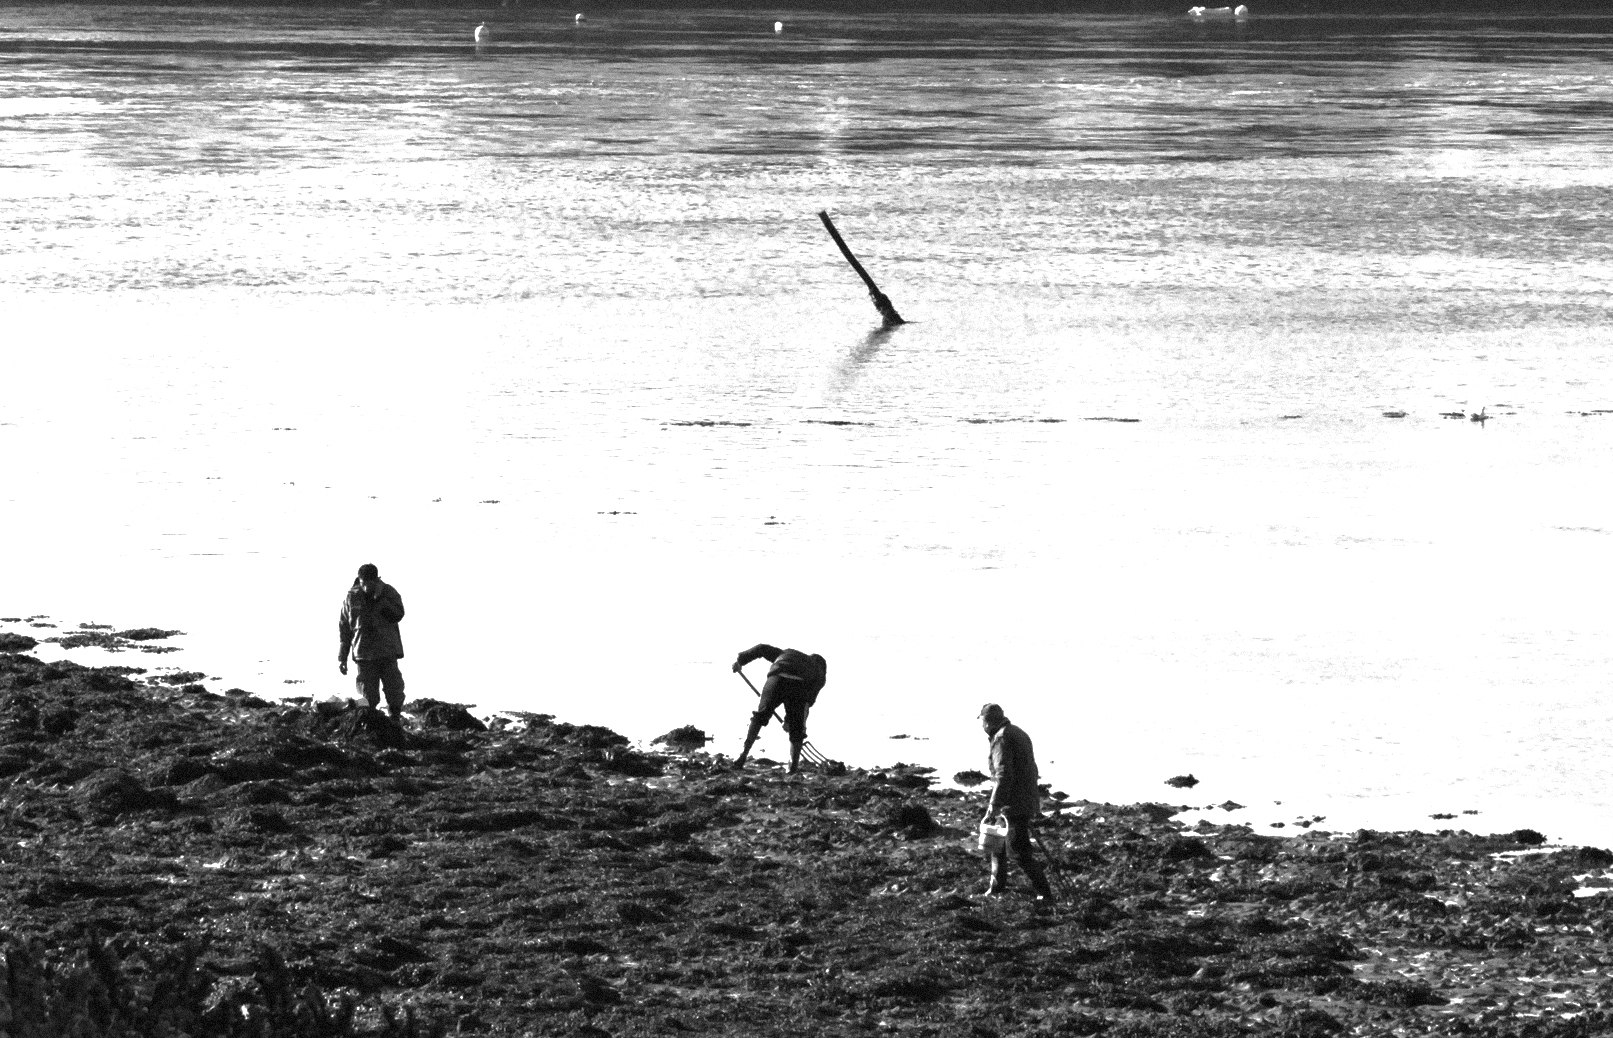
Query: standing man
(794, 681)
(369, 628)
(1014, 793)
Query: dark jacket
(1013, 768)
(369, 626)
(810, 672)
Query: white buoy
(483, 34)
(581, 18)
(778, 26)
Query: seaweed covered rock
(911, 818)
(113, 791)
(151, 990)
(316, 869)
(355, 723)
(686, 739)
(452, 717)
(575, 736)
(146, 634)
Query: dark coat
(369, 626)
(1013, 769)
(811, 671)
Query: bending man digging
(794, 681)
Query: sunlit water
(550, 331)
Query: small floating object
(778, 26)
(1452, 414)
(483, 33)
(1218, 12)
(1182, 781)
(1394, 414)
(1479, 416)
(581, 18)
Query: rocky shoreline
(173, 861)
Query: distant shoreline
(57, 642)
(1595, 9)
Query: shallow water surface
(549, 330)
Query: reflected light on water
(550, 333)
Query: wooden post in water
(882, 302)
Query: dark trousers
(790, 694)
(375, 676)
(1018, 846)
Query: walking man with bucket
(1015, 796)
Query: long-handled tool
(807, 749)
(1055, 870)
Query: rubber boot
(750, 740)
(999, 876)
(1038, 878)
(795, 756)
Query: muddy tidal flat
(174, 861)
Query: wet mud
(176, 861)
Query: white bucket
(993, 837)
